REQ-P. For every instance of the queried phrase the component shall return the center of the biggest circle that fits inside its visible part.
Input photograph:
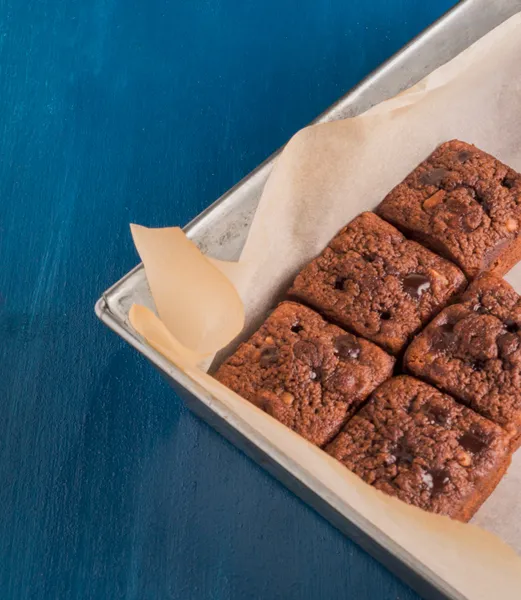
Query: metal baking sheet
(221, 231)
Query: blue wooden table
(114, 111)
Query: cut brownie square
(415, 443)
(305, 372)
(464, 204)
(473, 351)
(373, 281)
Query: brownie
(473, 351)
(305, 372)
(416, 443)
(464, 204)
(373, 281)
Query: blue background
(114, 111)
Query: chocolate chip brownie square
(373, 281)
(305, 372)
(415, 443)
(463, 204)
(472, 350)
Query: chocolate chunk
(370, 257)
(308, 352)
(508, 182)
(479, 308)
(476, 338)
(402, 452)
(339, 283)
(342, 382)
(464, 156)
(478, 364)
(480, 197)
(507, 343)
(511, 326)
(440, 478)
(462, 215)
(472, 442)
(472, 220)
(269, 356)
(495, 252)
(385, 316)
(436, 414)
(392, 269)
(434, 177)
(297, 328)
(347, 346)
(416, 284)
(443, 337)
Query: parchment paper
(327, 175)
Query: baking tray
(221, 231)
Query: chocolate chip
(480, 309)
(494, 252)
(434, 177)
(440, 478)
(370, 257)
(478, 365)
(416, 284)
(385, 316)
(507, 343)
(457, 206)
(269, 356)
(443, 337)
(392, 269)
(472, 441)
(402, 452)
(481, 199)
(347, 346)
(508, 182)
(464, 156)
(436, 414)
(297, 328)
(472, 220)
(342, 381)
(339, 283)
(511, 326)
(308, 352)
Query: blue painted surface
(114, 111)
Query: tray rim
(379, 545)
